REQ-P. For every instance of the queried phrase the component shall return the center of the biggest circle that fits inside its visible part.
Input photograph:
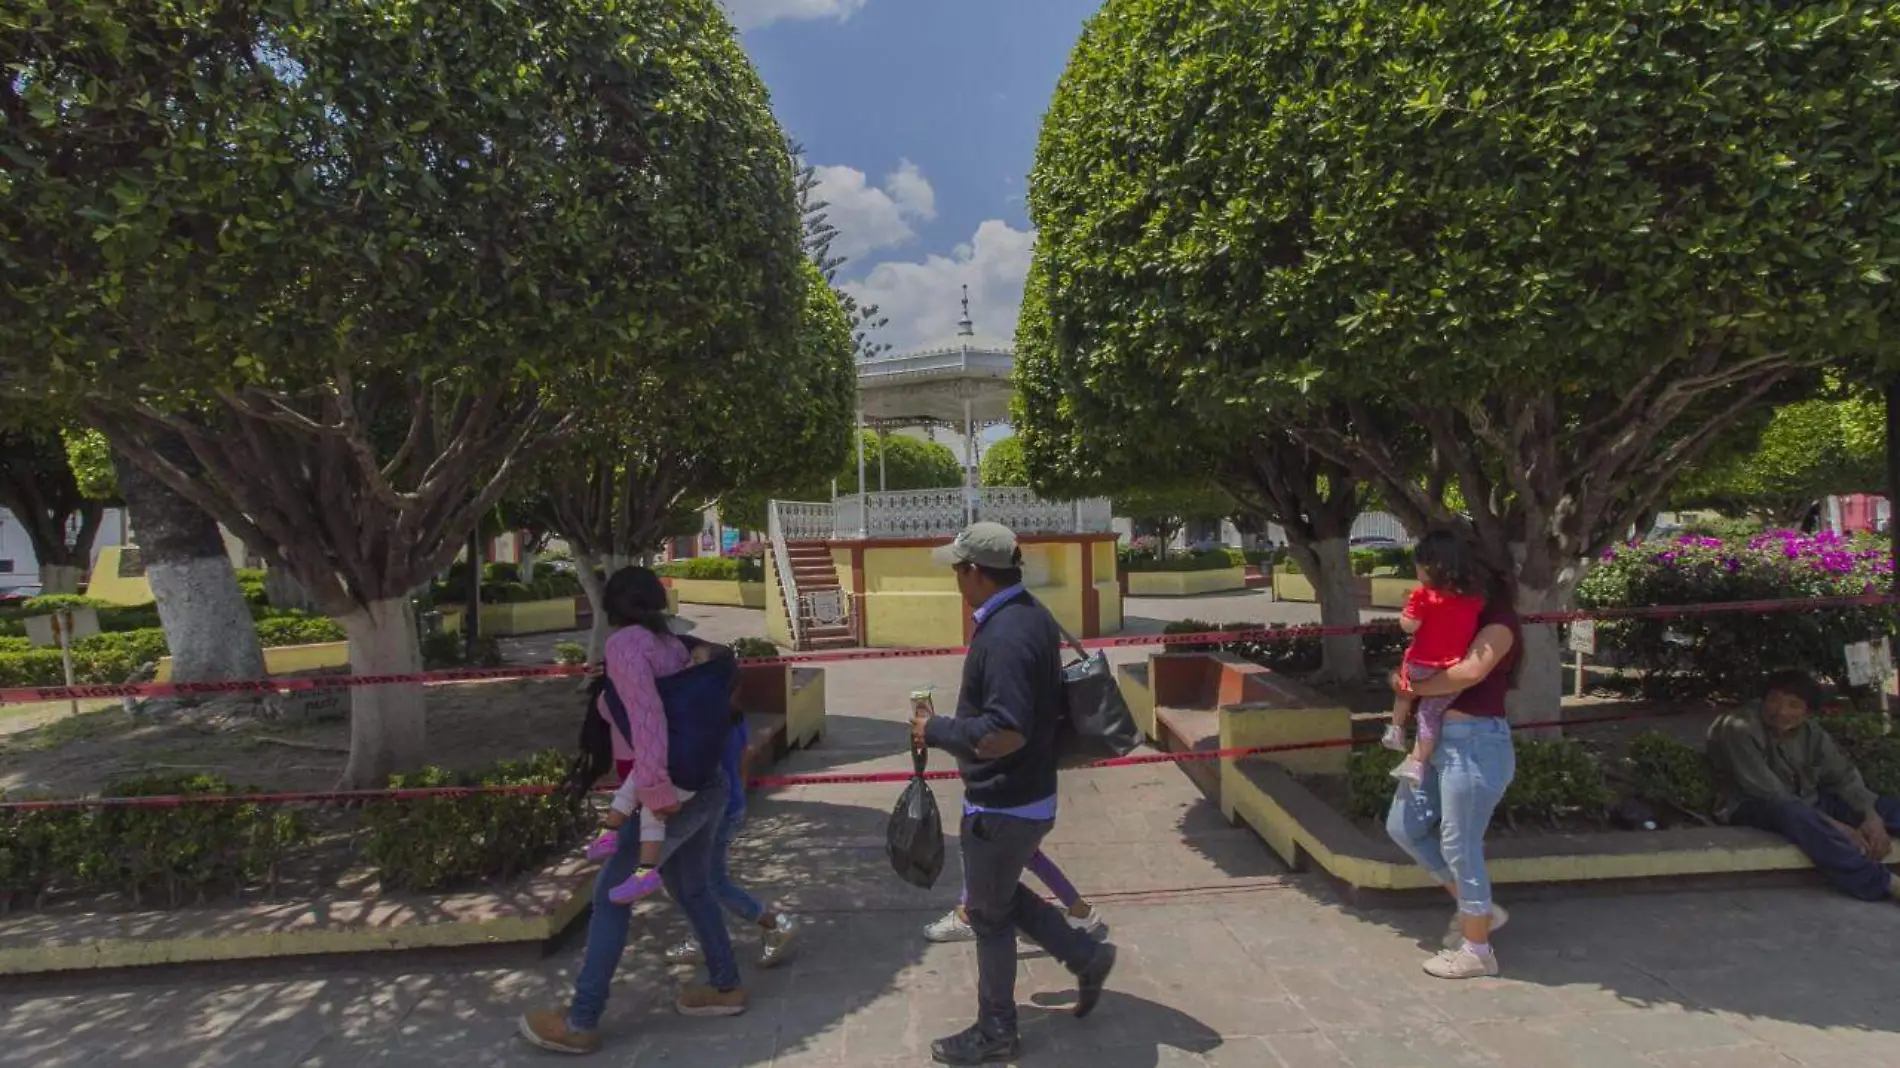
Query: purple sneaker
(637, 886)
(603, 847)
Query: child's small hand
(701, 654)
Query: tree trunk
(595, 588)
(1328, 563)
(59, 578)
(388, 724)
(1539, 693)
(285, 593)
(208, 627)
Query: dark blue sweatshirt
(1012, 680)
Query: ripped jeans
(1441, 821)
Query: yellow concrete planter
(1185, 583)
(528, 617)
(1389, 591)
(1289, 586)
(717, 591)
(287, 659)
(796, 693)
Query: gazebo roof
(928, 385)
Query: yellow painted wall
(709, 591)
(529, 617)
(777, 627)
(1109, 595)
(1390, 592)
(106, 585)
(1185, 583)
(286, 659)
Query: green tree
(39, 487)
(304, 287)
(1546, 252)
(909, 464)
(1808, 450)
(624, 485)
(1003, 464)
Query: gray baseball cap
(990, 545)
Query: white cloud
(870, 218)
(921, 299)
(751, 14)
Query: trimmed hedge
(440, 843)
(1560, 777)
(716, 569)
(113, 656)
(1208, 560)
(178, 853)
(501, 584)
(1295, 654)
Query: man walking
(1004, 739)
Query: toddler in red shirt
(1442, 618)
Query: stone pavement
(1226, 961)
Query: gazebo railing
(934, 513)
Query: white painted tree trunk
(1539, 693)
(388, 724)
(208, 627)
(595, 587)
(59, 578)
(1338, 607)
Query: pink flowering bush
(1729, 653)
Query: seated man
(1778, 770)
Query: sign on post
(62, 627)
(1583, 642)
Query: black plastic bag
(1099, 724)
(914, 837)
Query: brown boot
(708, 1001)
(548, 1029)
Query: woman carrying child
(1441, 819)
(1441, 615)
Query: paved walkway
(1226, 961)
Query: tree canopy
(1808, 450)
(1544, 251)
(273, 238)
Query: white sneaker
(951, 928)
(686, 952)
(1092, 925)
(1455, 934)
(1394, 739)
(1461, 963)
(779, 941)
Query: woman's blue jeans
(731, 895)
(1441, 821)
(686, 865)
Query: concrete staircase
(814, 572)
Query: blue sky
(921, 116)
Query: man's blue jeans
(1441, 822)
(686, 864)
(1808, 828)
(732, 897)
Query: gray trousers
(996, 849)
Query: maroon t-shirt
(1485, 698)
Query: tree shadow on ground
(1802, 967)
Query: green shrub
(11, 644)
(107, 658)
(1369, 781)
(570, 653)
(251, 583)
(553, 585)
(499, 572)
(1208, 560)
(438, 843)
(1293, 653)
(1559, 777)
(753, 648)
(716, 569)
(1865, 740)
(178, 852)
(1729, 654)
(442, 650)
(298, 628)
(1666, 771)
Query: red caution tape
(767, 782)
(305, 683)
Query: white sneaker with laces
(951, 928)
(1394, 739)
(1462, 963)
(1455, 934)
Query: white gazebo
(884, 595)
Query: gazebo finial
(966, 328)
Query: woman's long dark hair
(635, 598)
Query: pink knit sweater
(636, 656)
